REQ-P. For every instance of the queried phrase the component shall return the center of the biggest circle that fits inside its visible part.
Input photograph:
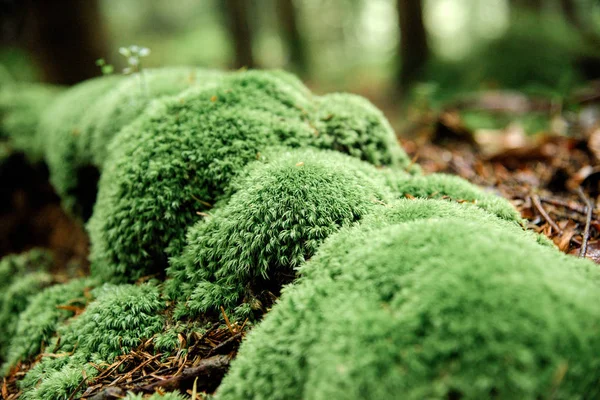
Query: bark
(288, 22)
(65, 38)
(237, 14)
(414, 48)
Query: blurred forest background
(425, 53)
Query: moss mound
(45, 312)
(443, 186)
(61, 128)
(21, 276)
(127, 100)
(351, 124)
(428, 309)
(117, 321)
(21, 107)
(254, 243)
(179, 159)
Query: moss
(352, 125)
(452, 187)
(117, 321)
(181, 155)
(427, 309)
(126, 101)
(61, 129)
(21, 276)
(46, 311)
(21, 107)
(286, 208)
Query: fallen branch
(209, 370)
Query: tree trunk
(288, 23)
(65, 38)
(414, 49)
(238, 21)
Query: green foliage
(434, 308)
(57, 378)
(61, 129)
(117, 320)
(21, 106)
(38, 323)
(284, 211)
(21, 276)
(182, 154)
(352, 125)
(124, 103)
(452, 187)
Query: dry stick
(588, 221)
(207, 367)
(538, 205)
(567, 204)
(225, 343)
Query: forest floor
(552, 179)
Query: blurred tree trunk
(414, 48)
(533, 5)
(65, 38)
(569, 9)
(288, 23)
(237, 14)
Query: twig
(208, 368)
(588, 221)
(225, 343)
(567, 204)
(538, 205)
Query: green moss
(427, 309)
(286, 208)
(181, 155)
(126, 101)
(352, 125)
(21, 276)
(21, 107)
(117, 321)
(61, 130)
(452, 187)
(38, 323)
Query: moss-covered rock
(128, 99)
(351, 124)
(179, 159)
(21, 276)
(433, 308)
(61, 128)
(117, 321)
(45, 312)
(284, 210)
(21, 107)
(444, 186)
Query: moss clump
(117, 321)
(21, 107)
(352, 125)
(21, 276)
(61, 128)
(46, 311)
(254, 243)
(180, 157)
(438, 186)
(127, 100)
(427, 309)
